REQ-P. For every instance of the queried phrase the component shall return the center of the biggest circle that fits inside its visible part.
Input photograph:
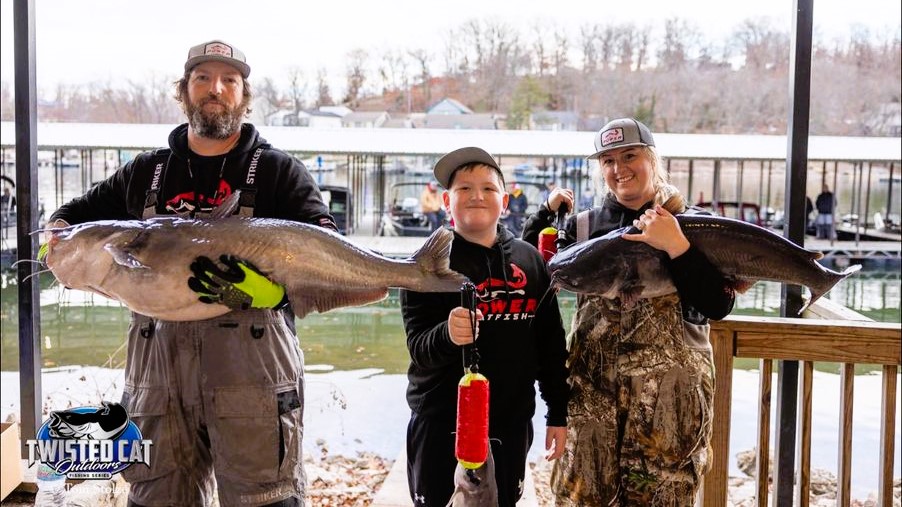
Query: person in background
(220, 397)
(826, 205)
(7, 201)
(642, 372)
(809, 209)
(431, 205)
(519, 341)
(516, 209)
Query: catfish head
(97, 242)
(611, 267)
(594, 267)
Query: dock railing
(828, 333)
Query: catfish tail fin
(816, 294)
(433, 260)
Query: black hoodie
(520, 340)
(190, 183)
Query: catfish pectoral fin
(304, 302)
(629, 296)
(741, 285)
(123, 257)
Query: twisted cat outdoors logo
(89, 442)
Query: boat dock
(852, 250)
(400, 247)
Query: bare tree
(643, 36)
(497, 57)
(393, 70)
(356, 77)
(163, 107)
(269, 98)
(297, 89)
(762, 46)
(588, 41)
(736, 84)
(421, 58)
(323, 94)
(681, 44)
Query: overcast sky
(115, 40)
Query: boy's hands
(459, 328)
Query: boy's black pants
(431, 461)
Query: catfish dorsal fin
(228, 206)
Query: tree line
(676, 79)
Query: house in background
(452, 114)
(365, 119)
(448, 106)
(399, 123)
(319, 119)
(340, 111)
(310, 118)
(282, 118)
(554, 120)
(487, 121)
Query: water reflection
(79, 328)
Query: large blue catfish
(612, 267)
(145, 263)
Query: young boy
(519, 341)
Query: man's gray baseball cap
(217, 51)
(621, 133)
(452, 161)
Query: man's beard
(215, 125)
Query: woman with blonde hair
(641, 372)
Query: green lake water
(79, 329)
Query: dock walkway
(400, 247)
(394, 491)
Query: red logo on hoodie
(187, 201)
(500, 299)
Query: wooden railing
(848, 342)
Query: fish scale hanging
(471, 445)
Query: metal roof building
(501, 143)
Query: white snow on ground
(364, 410)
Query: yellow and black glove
(239, 286)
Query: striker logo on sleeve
(89, 442)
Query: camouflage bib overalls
(640, 410)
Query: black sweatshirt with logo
(190, 184)
(521, 339)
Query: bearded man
(221, 399)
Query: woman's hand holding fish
(660, 230)
(459, 327)
(560, 196)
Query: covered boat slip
(501, 143)
(709, 167)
